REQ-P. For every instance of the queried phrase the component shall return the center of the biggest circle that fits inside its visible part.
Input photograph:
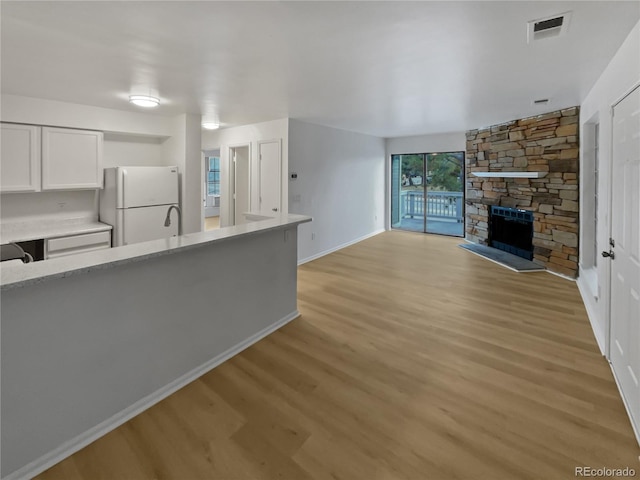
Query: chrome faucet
(167, 221)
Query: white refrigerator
(135, 201)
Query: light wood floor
(413, 359)
(211, 222)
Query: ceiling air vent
(548, 27)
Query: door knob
(609, 254)
(274, 209)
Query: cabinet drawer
(59, 247)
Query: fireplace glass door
(427, 193)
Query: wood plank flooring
(211, 223)
(413, 359)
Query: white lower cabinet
(70, 245)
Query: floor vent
(542, 101)
(548, 27)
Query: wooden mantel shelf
(510, 174)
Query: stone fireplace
(528, 165)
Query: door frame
(232, 178)
(258, 174)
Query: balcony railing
(444, 205)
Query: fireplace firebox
(511, 230)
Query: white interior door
(625, 266)
(270, 166)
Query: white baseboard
(339, 247)
(561, 275)
(75, 444)
(600, 336)
(636, 428)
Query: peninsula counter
(91, 340)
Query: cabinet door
(88, 242)
(20, 158)
(71, 159)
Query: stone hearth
(545, 143)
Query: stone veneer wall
(547, 143)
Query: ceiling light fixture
(210, 125)
(144, 101)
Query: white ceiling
(383, 68)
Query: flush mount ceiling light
(210, 125)
(144, 101)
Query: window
(213, 176)
(427, 192)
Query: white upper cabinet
(71, 159)
(38, 158)
(20, 158)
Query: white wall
(439, 142)
(62, 114)
(192, 176)
(620, 76)
(134, 151)
(246, 135)
(341, 178)
(32, 207)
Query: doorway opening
(211, 192)
(240, 178)
(427, 193)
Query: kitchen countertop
(15, 276)
(35, 230)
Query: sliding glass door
(427, 192)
